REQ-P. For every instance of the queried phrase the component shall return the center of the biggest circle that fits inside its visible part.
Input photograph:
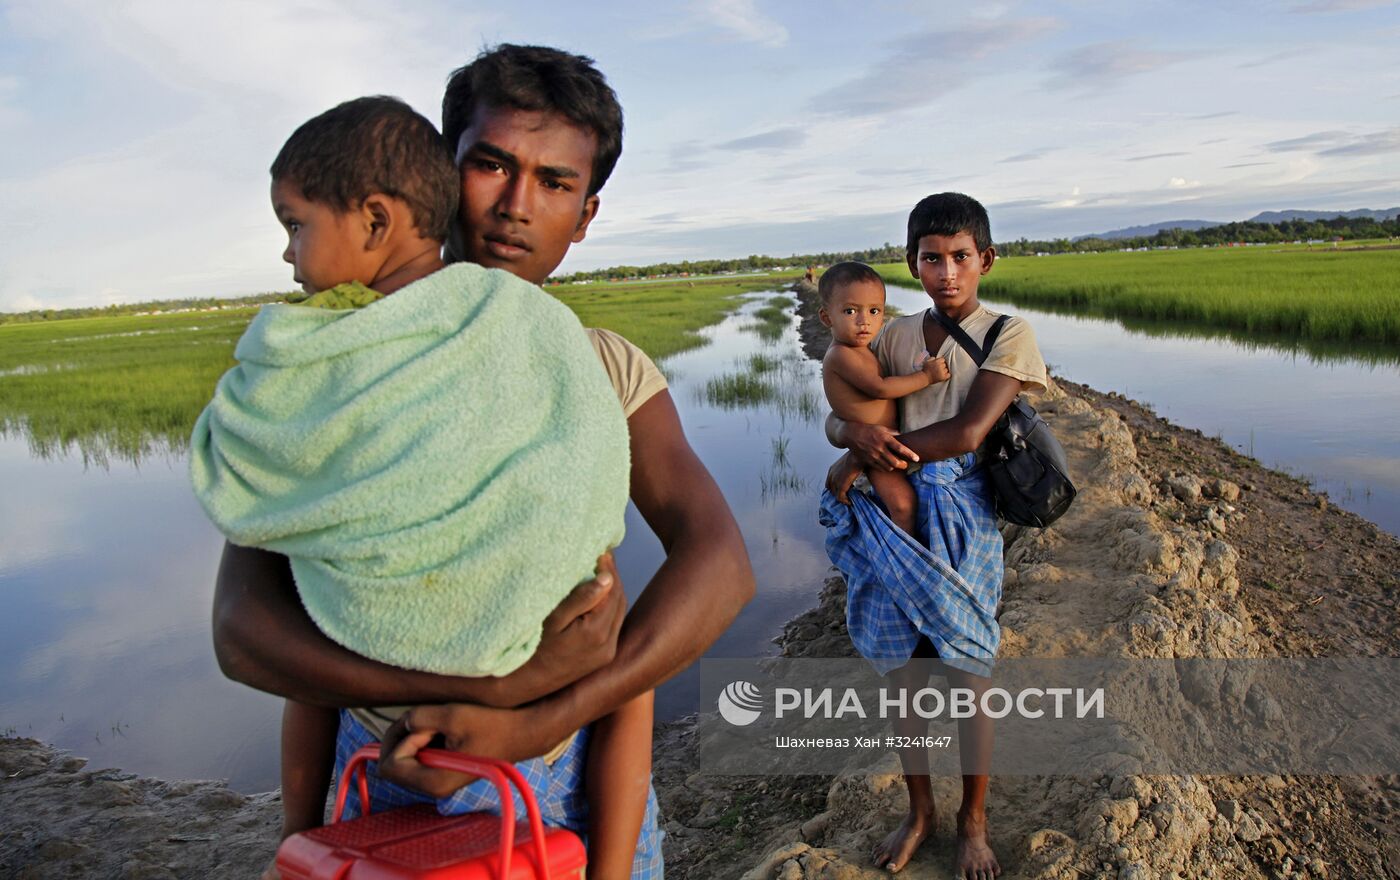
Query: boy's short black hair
(538, 78)
(841, 274)
(948, 214)
(374, 145)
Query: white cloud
(743, 19)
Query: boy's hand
(578, 637)
(877, 446)
(841, 475)
(937, 369)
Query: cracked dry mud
(1176, 547)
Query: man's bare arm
(873, 446)
(991, 393)
(264, 638)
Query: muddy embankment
(1176, 547)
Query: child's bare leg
(974, 858)
(618, 778)
(899, 497)
(895, 851)
(308, 759)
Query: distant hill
(1150, 229)
(1280, 216)
(1262, 217)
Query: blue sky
(137, 135)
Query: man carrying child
(536, 132)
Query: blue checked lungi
(898, 590)
(558, 788)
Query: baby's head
(853, 302)
(360, 186)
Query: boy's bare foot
(895, 851)
(975, 859)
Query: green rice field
(132, 386)
(1320, 295)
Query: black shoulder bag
(1025, 462)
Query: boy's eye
(555, 184)
(293, 226)
(487, 164)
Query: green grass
(739, 390)
(1283, 293)
(124, 387)
(129, 387)
(760, 364)
(661, 318)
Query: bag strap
(978, 355)
(496, 771)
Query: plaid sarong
(898, 590)
(558, 787)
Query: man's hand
(507, 734)
(841, 475)
(579, 637)
(877, 446)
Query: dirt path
(1177, 546)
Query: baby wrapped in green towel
(441, 465)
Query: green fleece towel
(442, 466)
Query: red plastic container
(415, 842)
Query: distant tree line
(163, 305)
(752, 263)
(1243, 232)
(1226, 233)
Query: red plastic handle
(490, 768)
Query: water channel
(106, 574)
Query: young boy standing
(957, 582)
(366, 193)
(853, 306)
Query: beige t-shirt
(636, 380)
(902, 341)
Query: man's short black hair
(538, 78)
(374, 145)
(948, 214)
(841, 274)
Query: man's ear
(377, 216)
(590, 210)
(988, 257)
(912, 261)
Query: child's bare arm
(862, 372)
(308, 755)
(618, 779)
